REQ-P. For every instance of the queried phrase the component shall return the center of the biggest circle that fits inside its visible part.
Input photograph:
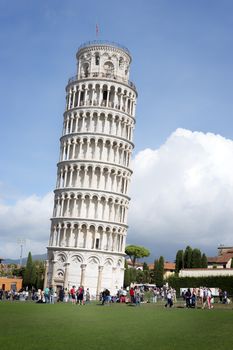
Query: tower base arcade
(88, 268)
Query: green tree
(179, 260)
(140, 276)
(231, 263)
(196, 258)
(159, 271)
(130, 275)
(204, 261)
(187, 257)
(126, 275)
(135, 252)
(146, 273)
(40, 273)
(29, 276)
(19, 272)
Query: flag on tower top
(97, 30)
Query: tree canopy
(196, 258)
(135, 252)
(190, 258)
(179, 260)
(29, 277)
(187, 257)
(159, 271)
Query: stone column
(71, 176)
(58, 236)
(65, 176)
(46, 274)
(108, 93)
(83, 270)
(85, 96)
(99, 281)
(54, 236)
(68, 151)
(53, 273)
(66, 275)
(64, 151)
(74, 98)
(69, 99)
(71, 123)
(79, 95)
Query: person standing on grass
(188, 297)
(51, 295)
(66, 295)
(154, 295)
(61, 294)
(225, 297)
(80, 293)
(193, 298)
(201, 295)
(209, 296)
(204, 298)
(220, 293)
(72, 293)
(173, 295)
(87, 297)
(46, 295)
(137, 296)
(131, 293)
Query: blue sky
(182, 66)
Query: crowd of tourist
(204, 297)
(135, 295)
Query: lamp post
(21, 242)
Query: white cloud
(28, 219)
(182, 193)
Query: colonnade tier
(101, 122)
(103, 94)
(96, 148)
(106, 238)
(91, 206)
(93, 176)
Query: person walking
(169, 299)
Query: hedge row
(225, 283)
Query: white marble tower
(89, 223)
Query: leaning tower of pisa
(89, 223)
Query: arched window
(97, 59)
(85, 69)
(121, 61)
(109, 68)
(97, 243)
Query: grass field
(66, 326)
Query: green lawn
(66, 326)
